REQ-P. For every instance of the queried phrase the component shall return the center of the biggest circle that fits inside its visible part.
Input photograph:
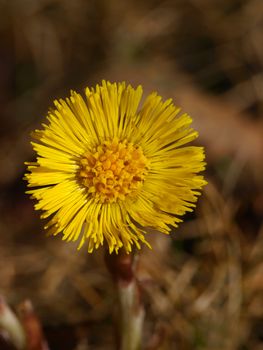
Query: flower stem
(131, 311)
(10, 323)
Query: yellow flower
(106, 169)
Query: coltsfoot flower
(107, 169)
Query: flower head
(106, 170)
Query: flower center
(113, 170)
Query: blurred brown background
(203, 285)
